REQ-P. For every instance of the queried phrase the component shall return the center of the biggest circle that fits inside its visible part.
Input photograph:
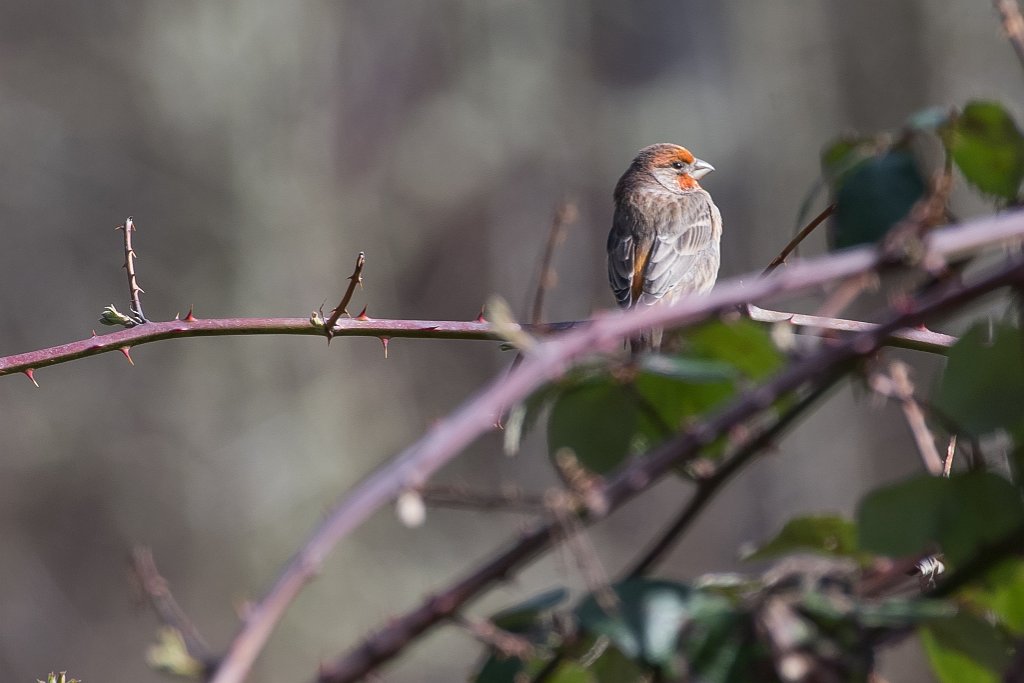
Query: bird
(665, 235)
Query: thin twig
(565, 215)
(576, 540)
(1013, 25)
(706, 488)
(356, 278)
(134, 291)
(915, 339)
(638, 475)
(947, 465)
(507, 643)
(798, 238)
(156, 589)
(897, 385)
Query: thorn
(362, 315)
(384, 342)
(94, 333)
(127, 351)
(480, 318)
(30, 373)
(190, 318)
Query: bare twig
(1013, 25)
(798, 238)
(595, 578)
(565, 215)
(134, 291)
(915, 339)
(507, 643)
(947, 466)
(155, 587)
(635, 477)
(356, 278)
(897, 385)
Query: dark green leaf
(983, 387)
(960, 514)
(988, 148)
(597, 419)
(1002, 592)
(873, 196)
(824, 534)
(965, 648)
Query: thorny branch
(356, 278)
(364, 326)
(820, 369)
(134, 291)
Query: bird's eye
(678, 165)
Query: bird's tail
(646, 340)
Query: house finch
(665, 233)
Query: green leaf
(651, 618)
(571, 672)
(614, 667)
(960, 514)
(823, 534)
(988, 148)
(1002, 592)
(742, 344)
(597, 419)
(983, 387)
(873, 196)
(965, 648)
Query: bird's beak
(701, 168)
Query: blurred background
(259, 147)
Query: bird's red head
(671, 166)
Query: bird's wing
(623, 268)
(684, 255)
